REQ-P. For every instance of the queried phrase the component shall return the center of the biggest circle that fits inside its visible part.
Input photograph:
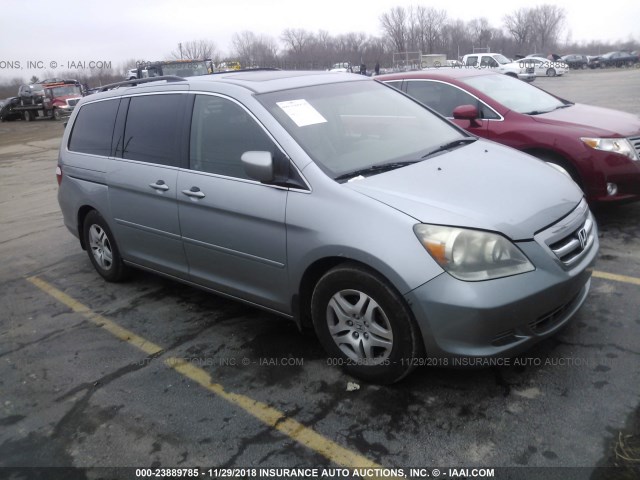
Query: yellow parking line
(116, 330)
(275, 419)
(616, 278)
(270, 416)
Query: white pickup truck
(499, 63)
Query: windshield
(515, 94)
(501, 59)
(66, 90)
(351, 126)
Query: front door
(233, 227)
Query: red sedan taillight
(59, 174)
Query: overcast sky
(118, 30)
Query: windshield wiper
(373, 169)
(450, 145)
(539, 112)
(385, 167)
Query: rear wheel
(551, 72)
(365, 325)
(27, 116)
(102, 248)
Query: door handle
(159, 185)
(194, 192)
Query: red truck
(48, 99)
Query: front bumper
(527, 77)
(616, 169)
(65, 110)
(501, 317)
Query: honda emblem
(582, 236)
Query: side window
(490, 62)
(444, 98)
(395, 84)
(154, 128)
(472, 61)
(93, 128)
(221, 131)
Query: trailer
(433, 60)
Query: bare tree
(520, 25)
(394, 24)
(296, 39)
(458, 39)
(481, 31)
(195, 50)
(433, 23)
(548, 21)
(254, 50)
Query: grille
(635, 141)
(72, 101)
(571, 248)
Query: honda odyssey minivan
(333, 200)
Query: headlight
(472, 255)
(615, 145)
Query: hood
(482, 185)
(603, 122)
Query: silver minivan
(336, 201)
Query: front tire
(365, 325)
(551, 72)
(102, 248)
(57, 116)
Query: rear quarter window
(93, 128)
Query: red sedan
(598, 147)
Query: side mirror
(467, 112)
(258, 165)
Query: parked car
(543, 67)
(576, 61)
(31, 94)
(614, 59)
(548, 56)
(499, 63)
(334, 200)
(344, 67)
(598, 147)
(6, 109)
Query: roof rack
(138, 81)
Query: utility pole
(180, 48)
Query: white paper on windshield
(301, 112)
